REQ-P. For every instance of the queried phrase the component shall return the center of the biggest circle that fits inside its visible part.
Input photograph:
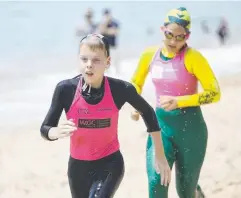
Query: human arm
(49, 129)
(111, 30)
(150, 120)
(142, 70)
(197, 64)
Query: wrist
(179, 102)
(159, 153)
(52, 134)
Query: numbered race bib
(160, 72)
(157, 71)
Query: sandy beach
(31, 167)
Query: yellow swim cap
(179, 16)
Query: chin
(88, 79)
(172, 50)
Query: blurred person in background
(205, 27)
(88, 26)
(222, 31)
(109, 28)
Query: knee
(186, 184)
(186, 192)
(156, 190)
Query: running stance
(175, 70)
(92, 102)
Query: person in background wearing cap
(88, 26)
(92, 102)
(176, 69)
(109, 28)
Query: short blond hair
(96, 42)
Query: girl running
(176, 69)
(92, 102)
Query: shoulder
(151, 50)
(147, 56)
(194, 58)
(115, 23)
(193, 53)
(68, 83)
(120, 85)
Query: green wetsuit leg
(154, 182)
(184, 135)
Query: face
(175, 37)
(93, 65)
(107, 18)
(88, 17)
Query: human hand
(135, 115)
(162, 168)
(168, 103)
(65, 129)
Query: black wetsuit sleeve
(140, 104)
(54, 113)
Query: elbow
(43, 133)
(138, 88)
(217, 96)
(44, 130)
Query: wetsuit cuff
(46, 134)
(153, 130)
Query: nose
(173, 41)
(89, 64)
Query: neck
(89, 21)
(97, 84)
(168, 53)
(171, 54)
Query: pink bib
(171, 77)
(96, 136)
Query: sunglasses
(101, 39)
(99, 36)
(180, 37)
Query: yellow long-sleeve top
(195, 64)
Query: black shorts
(96, 179)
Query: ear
(188, 35)
(108, 62)
(162, 28)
